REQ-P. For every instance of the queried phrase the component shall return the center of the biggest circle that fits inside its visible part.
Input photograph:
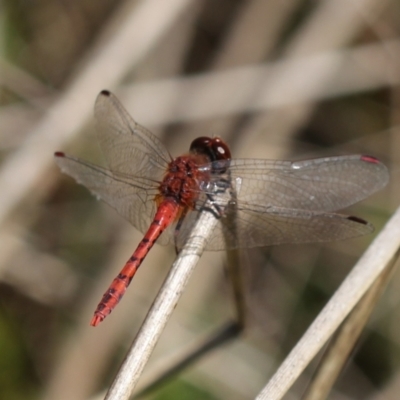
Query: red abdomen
(165, 215)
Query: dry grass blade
(365, 272)
(347, 336)
(360, 69)
(234, 269)
(161, 310)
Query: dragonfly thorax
(184, 179)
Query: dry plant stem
(187, 356)
(236, 278)
(365, 272)
(161, 310)
(359, 69)
(22, 83)
(191, 353)
(234, 269)
(331, 24)
(348, 334)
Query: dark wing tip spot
(59, 154)
(356, 219)
(105, 93)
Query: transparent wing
(137, 161)
(261, 226)
(275, 201)
(322, 184)
(127, 147)
(131, 196)
(290, 202)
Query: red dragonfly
(273, 202)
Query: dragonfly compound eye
(200, 145)
(214, 148)
(220, 150)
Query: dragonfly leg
(178, 227)
(215, 209)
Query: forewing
(322, 184)
(128, 147)
(132, 197)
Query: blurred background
(275, 79)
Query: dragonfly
(271, 202)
